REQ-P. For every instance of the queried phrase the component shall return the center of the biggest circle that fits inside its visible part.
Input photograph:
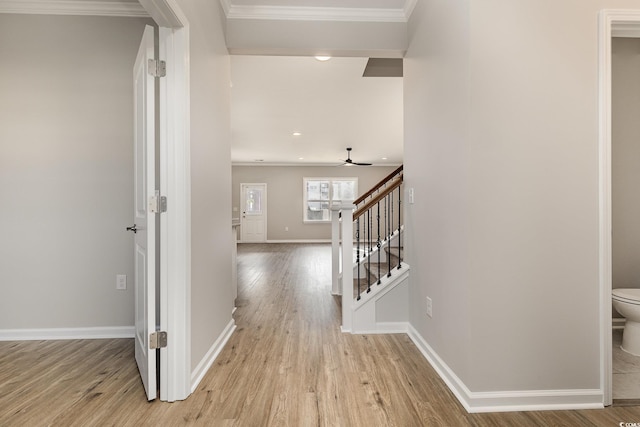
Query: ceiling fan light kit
(349, 162)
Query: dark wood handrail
(384, 193)
(378, 185)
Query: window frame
(330, 200)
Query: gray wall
(211, 290)
(501, 146)
(285, 195)
(66, 170)
(625, 171)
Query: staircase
(374, 266)
(378, 278)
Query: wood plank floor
(287, 364)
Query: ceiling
(329, 103)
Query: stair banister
(380, 196)
(378, 186)
(353, 222)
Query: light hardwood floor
(287, 364)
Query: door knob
(134, 229)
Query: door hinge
(157, 340)
(157, 203)
(157, 68)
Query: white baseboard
(387, 328)
(292, 241)
(210, 357)
(505, 401)
(300, 241)
(105, 332)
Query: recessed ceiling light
(323, 58)
(297, 134)
(300, 158)
(384, 158)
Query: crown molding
(625, 29)
(409, 5)
(304, 13)
(77, 7)
(305, 165)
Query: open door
(144, 216)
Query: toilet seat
(626, 295)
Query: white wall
(501, 128)
(626, 162)
(436, 163)
(66, 170)
(211, 290)
(285, 195)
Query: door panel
(253, 221)
(144, 189)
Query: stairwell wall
(501, 126)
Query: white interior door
(253, 221)
(144, 192)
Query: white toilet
(627, 302)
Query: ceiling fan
(349, 162)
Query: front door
(253, 221)
(144, 219)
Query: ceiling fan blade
(349, 162)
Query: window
(321, 193)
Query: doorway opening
(613, 23)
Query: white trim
(386, 328)
(295, 241)
(609, 23)
(364, 311)
(625, 29)
(175, 224)
(66, 7)
(332, 203)
(176, 244)
(346, 229)
(387, 283)
(306, 13)
(99, 332)
(307, 165)
(208, 359)
(165, 13)
(336, 273)
(506, 401)
(409, 6)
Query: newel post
(346, 210)
(336, 288)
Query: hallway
(287, 364)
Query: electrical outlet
(121, 282)
(429, 307)
(286, 229)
